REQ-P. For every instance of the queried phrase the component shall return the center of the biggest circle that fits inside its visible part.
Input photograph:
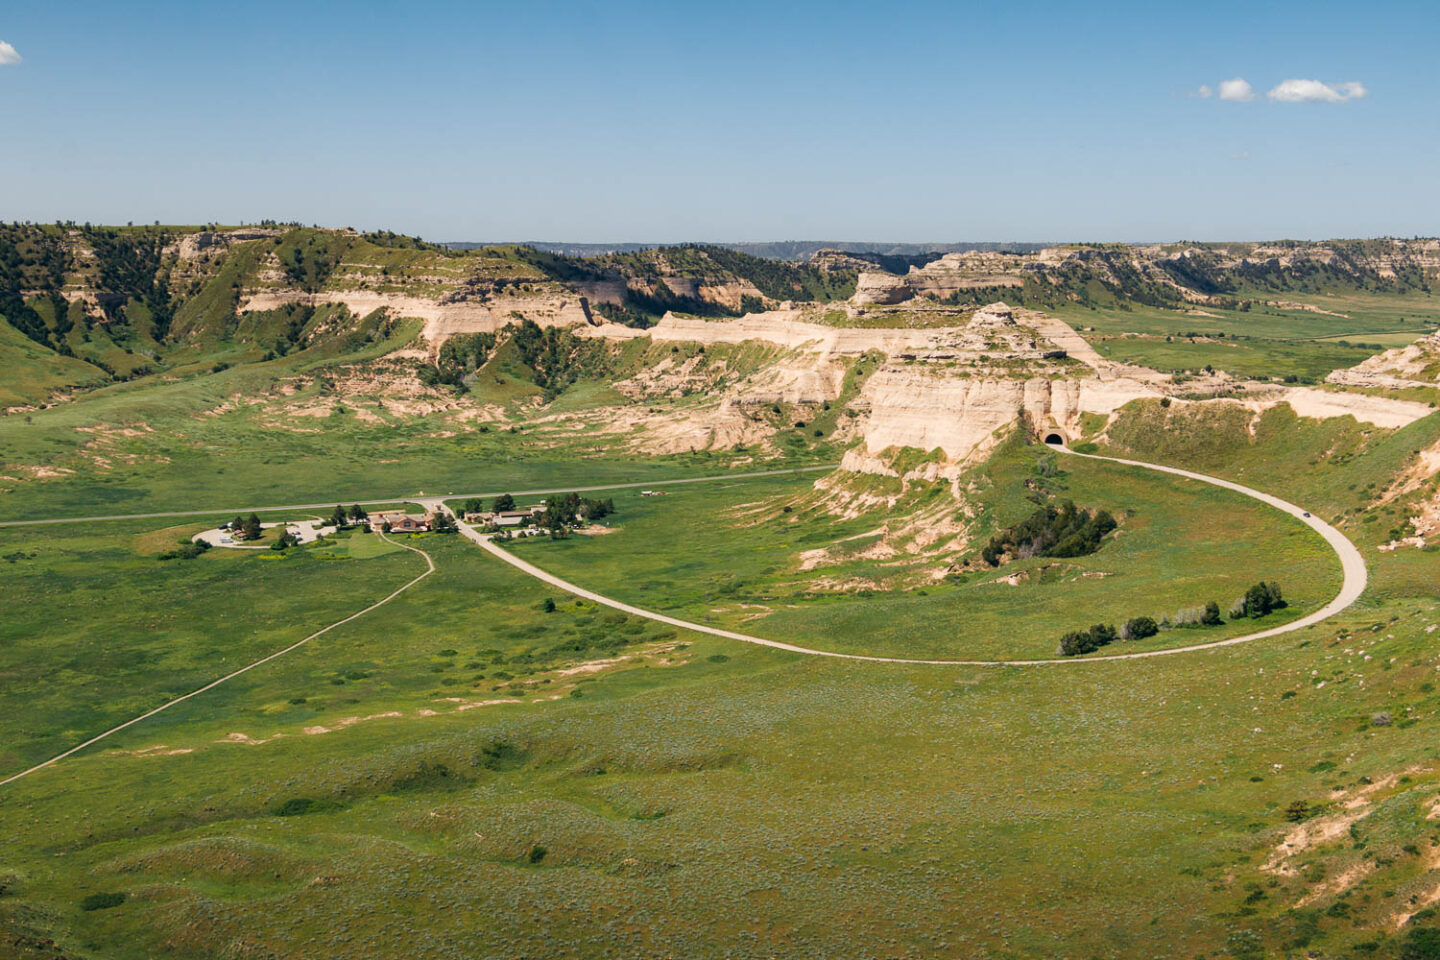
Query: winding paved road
(1352, 565)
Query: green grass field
(734, 801)
(1263, 341)
(1184, 544)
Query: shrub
(299, 806)
(1138, 628)
(102, 901)
(1187, 617)
(1078, 643)
(1211, 617)
(1421, 943)
(536, 854)
(1261, 599)
(1075, 643)
(187, 552)
(1101, 634)
(1297, 811)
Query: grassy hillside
(34, 371)
(1257, 339)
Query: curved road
(1352, 565)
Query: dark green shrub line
(103, 901)
(188, 550)
(1260, 600)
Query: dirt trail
(429, 569)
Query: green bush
(299, 806)
(1421, 943)
(1262, 598)
(189, 551)
(1138, 628)
(102, 901)
(1077, 643)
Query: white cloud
(1237, 89)
(8, 55)
(1204, 92)
(1313, 91)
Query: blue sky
(729, 121)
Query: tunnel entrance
(1054, 439)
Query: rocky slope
(1417, 365)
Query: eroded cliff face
(1416, 365)
(444, 317)
(930, 407)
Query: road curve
(429, 569)
(410, 498)
(1352, 565)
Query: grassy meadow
(277, 432)
(719, 799)
(1270, 339)
(1182, 543)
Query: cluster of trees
(309, 257)
(1048, 532)
(566, 511)
(130, 274)
(557, 356)
(560, 514)
(442, 522)
(1258, 601)
(246, 528)
(777, 279)
(130, 269)
(340, 517)
(33, 258)
(400, 241)
(459, 356)
(1079, 642)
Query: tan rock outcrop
(879, 287)
(926, 407)
(1415, 365)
